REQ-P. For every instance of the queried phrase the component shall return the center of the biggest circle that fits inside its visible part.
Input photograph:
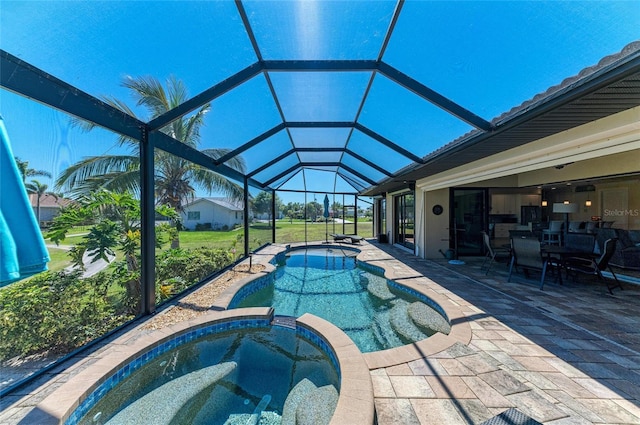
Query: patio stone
(438, 412)
(449, 387)
(600, 390)
(397, 411)
(579, 407)
(473, 410)
(477, 364)
(485, 393)
(411, 386)
(568, 385)
(534, 364)
(536, 379)
(427, 367)
(503, 382)
(455, 367)
(532, 404)
(382, 387)
(401, 369)
(612, 412)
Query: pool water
(248, 376)
(373, 312)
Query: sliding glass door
(468, 220)
(404, 215)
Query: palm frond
(214, 182)
(193, 124)
(94, 168)
(177, 91)
(148, 92)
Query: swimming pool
(245, 372)
(376, 313)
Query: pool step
(402, 323)
(427, 318)
(308, 404)
(377, 286)
(265, 417)
(296, 395)
(317, 407)
(383, 332)
(161, 405)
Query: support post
(273, 218)
(355, 215)
(246, 216)
(147, 219)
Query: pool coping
(356, 388)
(460, 328)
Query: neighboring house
(49, 206)
(214, 212)
(267, 216)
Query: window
(193, 215)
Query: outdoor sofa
(627, 254)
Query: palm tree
(39, 189)
(25, 171)
(120, 173)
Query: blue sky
(486, 56)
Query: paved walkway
(567, 355)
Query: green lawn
(59, 259)
(259, 234)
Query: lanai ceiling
(339, 96)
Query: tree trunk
(134, 287)
(38, 209)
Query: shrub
(181, 268)
(203, 226)
(53, 311)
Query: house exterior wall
(210, 212)
(436, 227)
(46, 213)
(609, 146)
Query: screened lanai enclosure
(170, 139)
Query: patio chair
(492, 253)
(526, 253)
(595, 266)
(552, 235)
(339, 237)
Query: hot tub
(245, 366)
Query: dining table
(554, 254)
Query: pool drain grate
(511, 417)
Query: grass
(259, 234)
(59, 259)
